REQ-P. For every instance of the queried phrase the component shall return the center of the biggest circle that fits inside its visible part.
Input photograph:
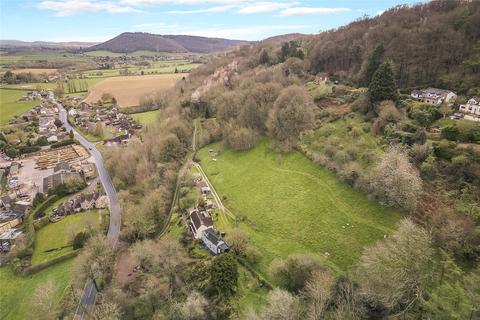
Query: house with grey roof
(213, 242)
(433, 95)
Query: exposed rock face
(222, 75)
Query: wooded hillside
(437, 43)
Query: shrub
(80, 239)
(293, 272)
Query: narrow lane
(89, 292)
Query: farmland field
(35, 71)
(17, 291)
(10, 106)
(129, 89)
(289, 205)
(57, 235)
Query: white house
(472, 106)
(73, 112)
(53, 138)
(322, 77)
(214, 244)
(471, 109)
(433, 95)
(199, 223)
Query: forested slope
(435, 43)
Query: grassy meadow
(17, 291)
(289, 205)
(10, 106)
(145, 118)
(58, 235)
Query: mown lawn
(145, 118)
(17, 292)
(289, 205)
(10, 106)
(58, 235)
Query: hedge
(39, 223)
(51, 262)
(257, 275)
(63, 143)
(44, 205)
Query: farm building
(213, 242)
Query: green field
(289, 205)
(10, 106)
(145, 118)
(16, 291)
(157, 67)
(57, 235)
(44, 58)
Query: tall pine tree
(373, 63)
(382, 87)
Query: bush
(293, 272)
(80, 239)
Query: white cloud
(217, 9)
(300, 11)
(379, 13)
(196, 2)
(264, 7)
(73, 7)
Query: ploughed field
(289, 205)
(128, 90)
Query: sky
(100, 20)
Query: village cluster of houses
(83, 202)
(201, 223)
(469, 111)
(47, 114)
(38, 95)
(86, 116)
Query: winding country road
(90, 292)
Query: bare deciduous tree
(395, 270)
(317, 292)
(43, 304)
(395, 181)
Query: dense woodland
(436, 43)
(370, 135)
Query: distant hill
(135, 41)
(285, 38)
(17, 44)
